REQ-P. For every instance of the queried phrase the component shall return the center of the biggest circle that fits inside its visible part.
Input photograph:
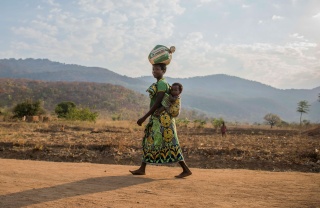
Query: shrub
(217, 122)
(69, 111)
(81, 114)
(28, 108)
(63, 108)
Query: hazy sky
(276, 42)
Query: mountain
(230, 97)
(46, 70)
(105, 98)
(244, 100)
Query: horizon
(151, 75)
(270, 42)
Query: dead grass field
(119, 142)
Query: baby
(169, 99)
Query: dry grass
(119, 142)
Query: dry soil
(25, 183)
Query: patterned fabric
(174, 109)
(152, 90)
(160, 143)
(166, 101)
(160, 86)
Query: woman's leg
(141, 170)
(185, 170)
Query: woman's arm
(155, 106)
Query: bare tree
(272, 119)
(303, 107)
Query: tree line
(303, 107)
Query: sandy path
(47, 184)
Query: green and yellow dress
(160, 143)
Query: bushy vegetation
(106, 98)
(81, 114)
(63, 108)
(28, 108)
(70, 111)
(217, 122)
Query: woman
(160, 143)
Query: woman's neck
(158, 79)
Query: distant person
(170, 99)
(223, 130)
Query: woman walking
(160, 142)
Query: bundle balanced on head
(160, 143)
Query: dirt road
(26, 183)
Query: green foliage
(28, 108)
(81, 114)
(69, 111)
(217, 122)
(64, 108)
(202, 123)
(303, 107)
(272, 119)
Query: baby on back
(169, 99)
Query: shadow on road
(87, 186)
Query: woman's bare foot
(137, 172)
(184, 174)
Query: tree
(63, 108)
(303, 107)
(28, 108)
(217, 122)
(319, 97)
(272, 119)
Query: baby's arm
(172, 99)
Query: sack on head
(161, 55)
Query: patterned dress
(160, 143)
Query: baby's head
(176, 89)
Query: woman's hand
(141, 120)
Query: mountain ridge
(230, 97)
